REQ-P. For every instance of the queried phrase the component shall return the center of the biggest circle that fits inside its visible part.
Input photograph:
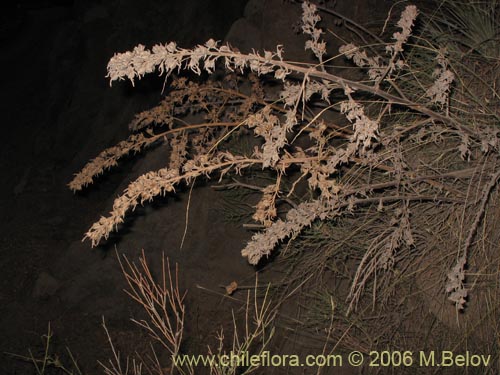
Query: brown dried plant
(258, 331)
(165, 322)
(163, 303)
(367, 161)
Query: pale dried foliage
(163, 303)
(361, 59)
(118, 365)
(310, 18)
(367, 161)
(252, 335)
(380, 255)
(265, 211)
(438, 93)
(108, 159)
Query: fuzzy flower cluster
(439, 92)
(293, 93)
(320, 174)
(179, 154)
(361, 59)
(365, 129)
(408, 17)
(263, 243)
(266, 211)
(157, 183)
(145, 188)
(169, 57)
(377, 69)
(310, 18)
(455, 284)
(406, 21)
(108, 159)
(320, 178)
(268, 126)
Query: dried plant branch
(115, 365)
(162, 301)
(166, 58)
(258, 330)
(109, 158)
(456, 276)
(376, 154)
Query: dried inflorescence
(268, 126)
(439, 92)
(263, 243)
(310, 18)
(365, 129)
(265, 211)
(374, 64)
(169, 58)
(455, 284)
(408, 17)
(345, 167)
(108, 159)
